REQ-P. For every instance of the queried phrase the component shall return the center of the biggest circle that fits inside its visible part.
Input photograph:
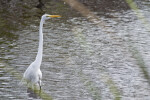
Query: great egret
(33, 73)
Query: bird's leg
(40, 88)
(39, 84)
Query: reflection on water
(33, 93)
(81, 60)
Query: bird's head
(47, 16)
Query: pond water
(81, 59)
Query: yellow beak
(53, 16)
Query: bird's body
(33, 73)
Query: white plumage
(33, 74)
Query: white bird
(33, 73)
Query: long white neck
(38, 59)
